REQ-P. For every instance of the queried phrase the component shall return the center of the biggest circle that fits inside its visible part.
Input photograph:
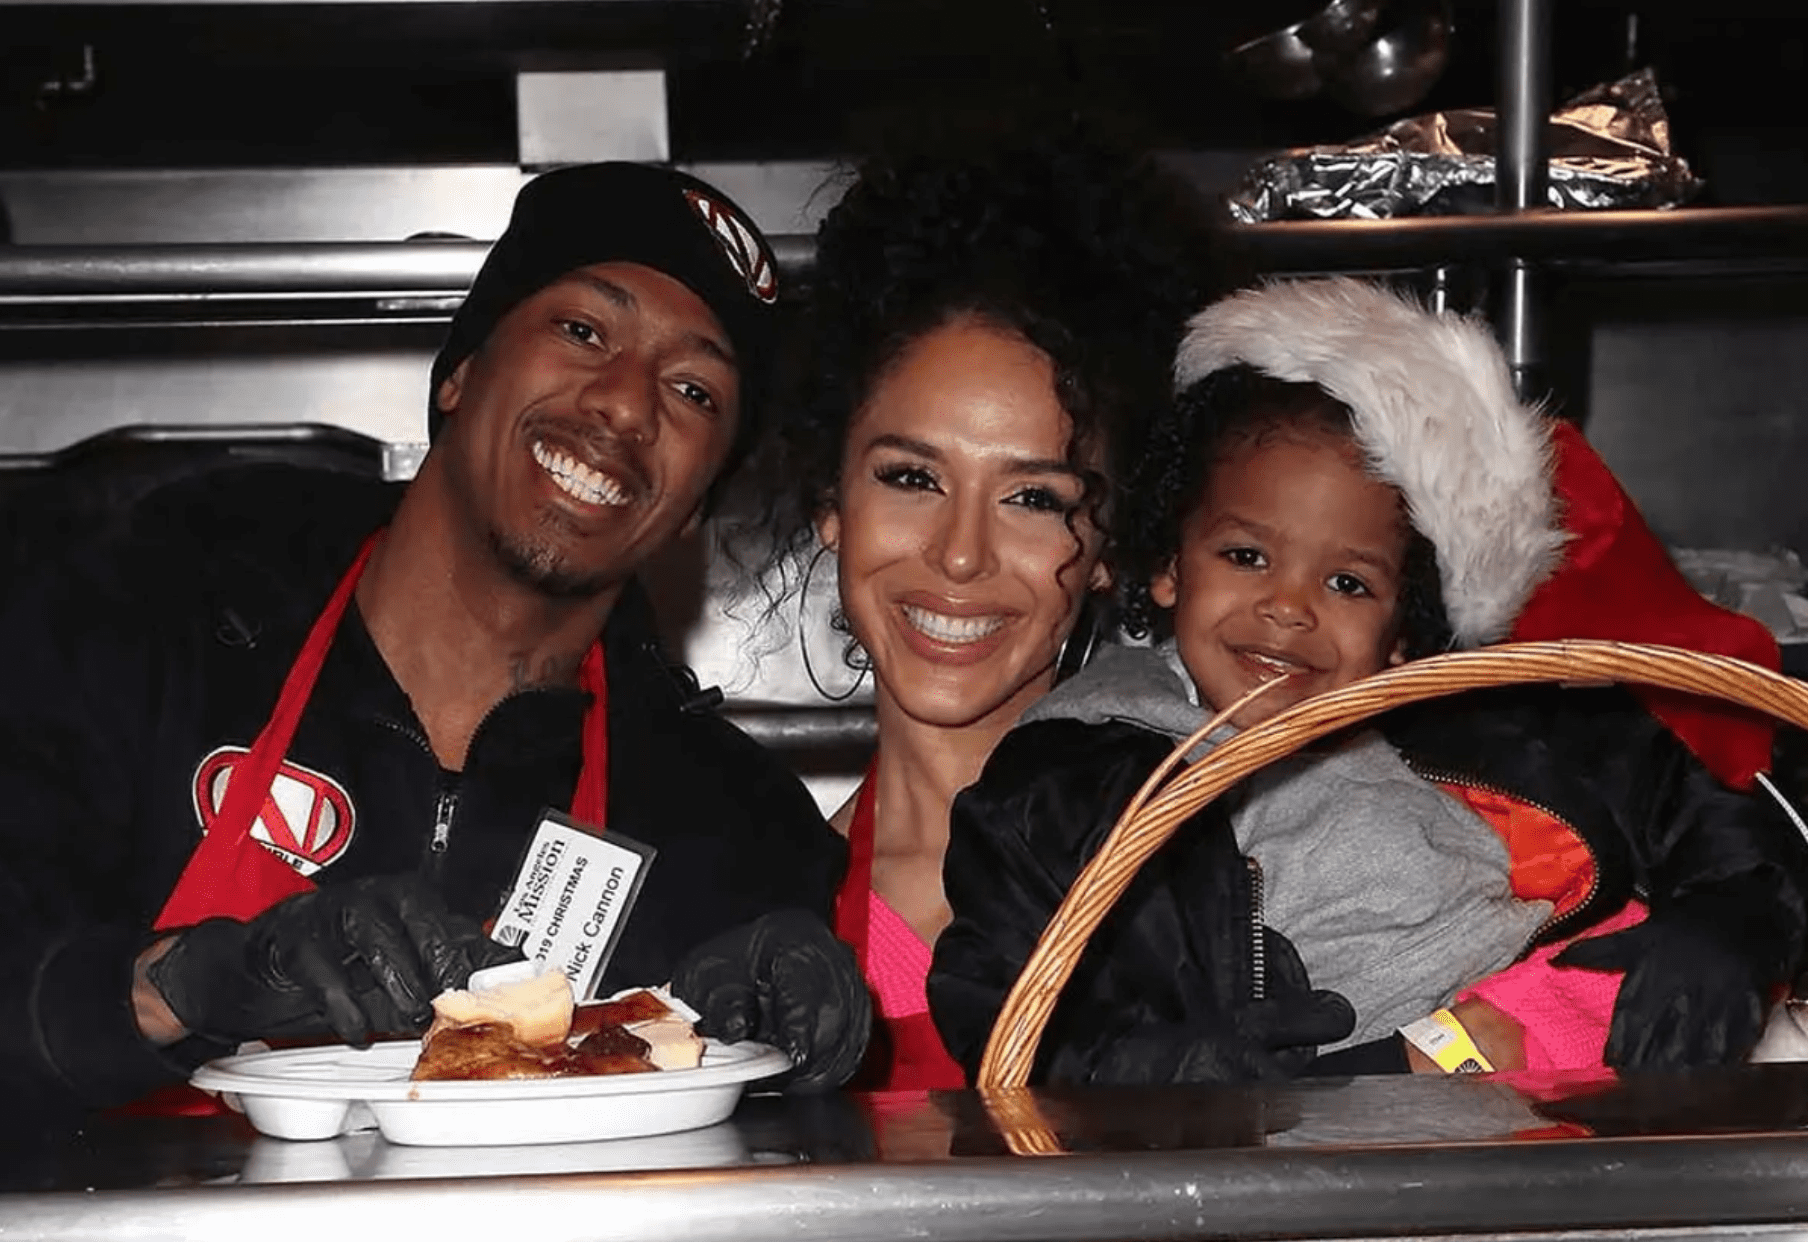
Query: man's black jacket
(1175, 953)
(130, 662)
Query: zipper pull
(442, 821)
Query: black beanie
(632, 213)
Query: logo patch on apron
(740, 245)
(306, 820)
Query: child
(1348, 482)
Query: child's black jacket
(1722, 870)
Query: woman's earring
(1081, 641)
(864, 665)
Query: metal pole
(1522, 170)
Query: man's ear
(1164, 587)
(452, 388)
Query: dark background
(1693, 381)
(272, 84)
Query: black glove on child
(1264, 1040)
(784, 980)
(1689, 998)
(358, 960)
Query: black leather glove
(1266, 1041)
(1689, 997)
(783, 980)
(358, 960)
(1287, 1026)
(1262, 1041)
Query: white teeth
(1280, 668)
(946, 629)
(577, 480)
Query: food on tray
(529, 1028)
(492, 1050)
(537, 1008)
(651, 1015)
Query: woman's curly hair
(1221, 413)
(1092, 254)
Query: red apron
(231, 875)
(906, 1052)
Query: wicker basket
(1158, 810)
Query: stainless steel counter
(1692, 1156)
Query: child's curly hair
(1090, 253)
(1205, 424)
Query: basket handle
(1148, 824)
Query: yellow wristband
(1442, 1038)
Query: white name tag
(571, 898)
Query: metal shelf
(271, 285)
(44, 275)
(1596, 239)
(59, 286)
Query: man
(268, 760)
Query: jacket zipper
(1258, 943)
(1556, 920)
(445, 803)
(445, 798)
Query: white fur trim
(1435, 412)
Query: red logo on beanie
(739, 244)
(306, 819)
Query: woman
(988, 330)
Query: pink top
(906, 1051)
(897, 961)
(1565, 1011)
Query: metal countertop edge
(1263, 1192)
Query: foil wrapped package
(1610, 148)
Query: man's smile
(577, 480)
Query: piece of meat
(641, 1006)
(611, 1041)
(611, 1050)
(489, 1051)
(484, 1051)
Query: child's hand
(1497, 1034)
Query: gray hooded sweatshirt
(1395, 894)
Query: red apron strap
(590, 804)
(919, 1059)
(230, 874)
(853, 904)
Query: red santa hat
(1433, 409)
(1616, 581)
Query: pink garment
(1566, 1012)
(897, 961)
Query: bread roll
(538, 1009)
